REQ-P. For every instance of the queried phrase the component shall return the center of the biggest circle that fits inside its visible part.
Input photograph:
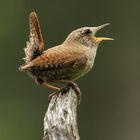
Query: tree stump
(60, 121)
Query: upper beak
(99, 39)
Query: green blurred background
(110, 107)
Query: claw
(77, 90)
(65, 89)
(53, 94)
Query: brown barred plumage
(63, 63)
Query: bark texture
(60, 121)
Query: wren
(64, 63)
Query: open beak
(100, 39)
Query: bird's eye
(87, 32)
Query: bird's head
(86, 36)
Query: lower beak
(100, 39)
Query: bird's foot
(53, 94)
(76, 89)
(63, 90)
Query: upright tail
(35, 45)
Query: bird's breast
(91, 54)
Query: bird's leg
(49, 86)
(72, 84)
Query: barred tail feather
(35, 45)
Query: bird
(64, 63)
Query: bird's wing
(35, 46)
(57, 58)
